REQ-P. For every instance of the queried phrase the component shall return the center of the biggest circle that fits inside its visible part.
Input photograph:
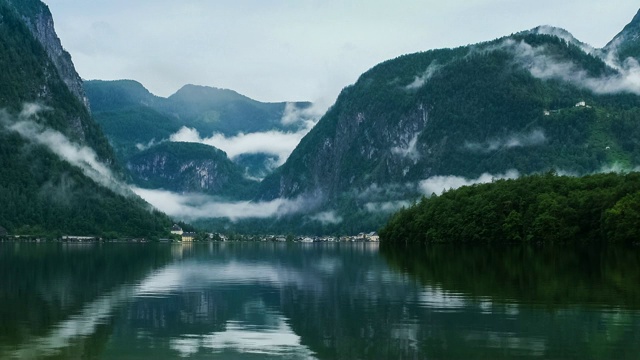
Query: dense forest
(538, 208)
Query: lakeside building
(188, 236)
(176, 230)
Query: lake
(318, 301)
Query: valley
(533, 102)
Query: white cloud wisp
(327, 217)
(200, 206)
(535, 137)
(439, 184)
(82, 157)
(275, 143)
(542, 66)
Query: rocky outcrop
(40, 22)
(190, 168)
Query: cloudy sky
(285, 50)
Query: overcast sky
(285, 50)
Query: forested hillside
(51, 151)
(541, 208)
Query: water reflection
(548, 275)
(54, 296)
(259, 331)
(325, 301)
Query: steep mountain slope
(44, 121)
(38, 19)
(526, 103)
(34, 76)
(207, 170)
(627, 43)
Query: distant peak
(552, 30)
(634, 25)
(629, 35)
(192, 93)
(201, 89)
(636, 19)
(562, 34)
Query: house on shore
(188, 236)
(373, 236)
(79, 238)
(176, 230)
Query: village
(194, 237)
(180, 236)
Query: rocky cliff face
(349, 149)
(190, 168)
(191, 175)
(40, 22)
(38, 19)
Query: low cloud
(409, 151)
(535, 137)
(294, 115)
(564, 35)
(386, 206)
(199, 206)
(151, 143)
(276, 143)
(327, 217)
(542, 66)
(439, 184)
(82, 157)
(388, 198)
(377, 193)
(423, 78)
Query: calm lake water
(317, 301)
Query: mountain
(627, 43)
(207, 170)
(207, 109)
(59, 173)
(120, 94)
(134, 119)
(531, 102)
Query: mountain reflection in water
(326, 301)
